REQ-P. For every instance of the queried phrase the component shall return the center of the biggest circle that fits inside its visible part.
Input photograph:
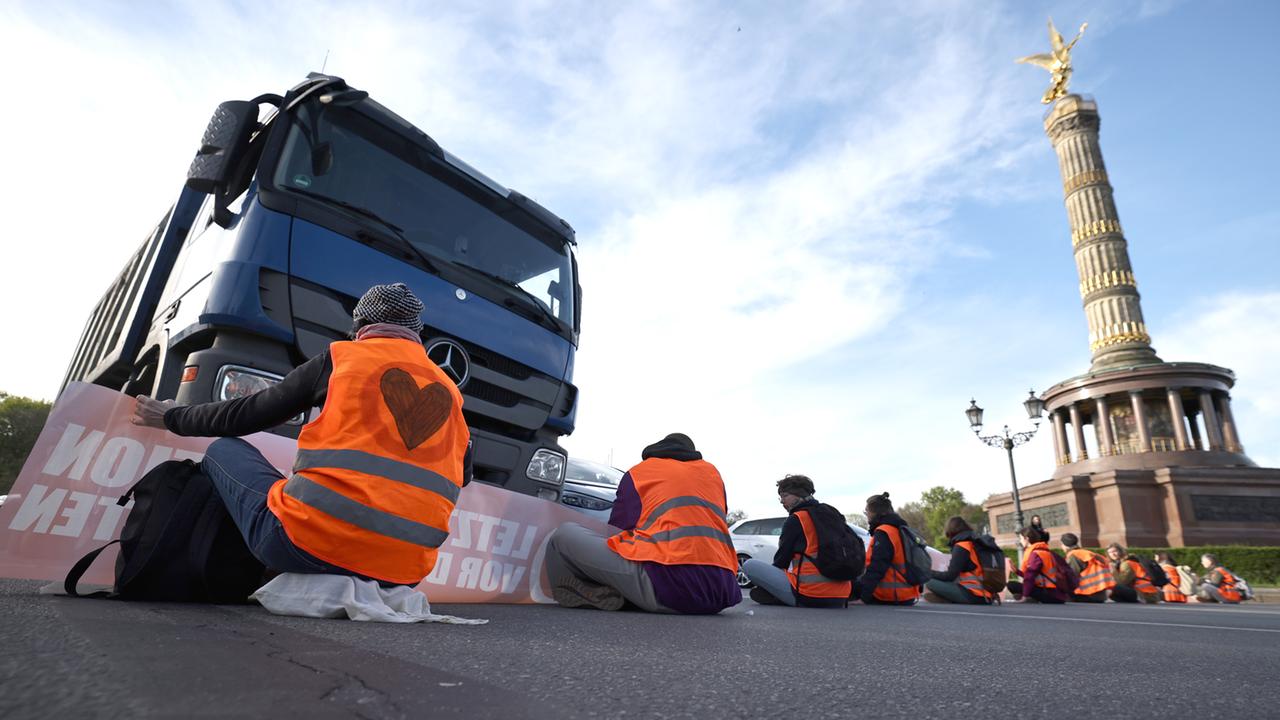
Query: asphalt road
(89, 658)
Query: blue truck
(293, 207)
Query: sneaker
(763, 597)
(575, 593)
(933, 597)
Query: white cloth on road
(336, 596)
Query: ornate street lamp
(1035, 410)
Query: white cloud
(759, 196)
(1240, 331)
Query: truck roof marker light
(189, 373)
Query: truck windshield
(344, 155)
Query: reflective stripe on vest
(682, 511)
(971, 580)
(893, 587)
(379, 469)
(347, 510)
(1048, 577)
(1096, 575)
(805, 577)
(1228, 586)
(1173, 592)
(1141, 581)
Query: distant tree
(734, 516)
(938, 505)
(21, 420)
(913, 514)
(859, 519)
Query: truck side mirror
(224, 142)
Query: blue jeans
(243, 477)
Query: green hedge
(1260, 566)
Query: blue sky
(809, 231)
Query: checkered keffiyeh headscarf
(395, 304)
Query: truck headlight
(546, 466)
(235, 381)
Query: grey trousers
(1210, 593)
(771, 579)
(953, 592)
(576, 552)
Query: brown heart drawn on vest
(419, 412)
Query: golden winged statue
(1057, 62)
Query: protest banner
(63, 504)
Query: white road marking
(1094, 620)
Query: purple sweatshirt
(1034, 569)
(688, 589)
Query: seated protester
(1133, 584)
(1094, 571)
(793, 578)
(1043, 573)
(1172, 591)
(961, 582)
(1219, 584)
(373, 484)
(885, 580)
(674, 554)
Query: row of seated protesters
(673, 554)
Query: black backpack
(179, 543)
(841, 555)
(992, 560)
(916, 554)
(1155, 573)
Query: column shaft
(1140, 417)
(1082, 450)
(1060, 439)
(1179, 418)
(1102, 424)
(1211, 426)
(1230, 436)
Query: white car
(759, 539)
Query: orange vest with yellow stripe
(971, 580)
(1141, 580)
(1228, 586)
(1048, 577)
(1172, 592)
(805, 577)
(682, 509)
(893, 587)
(1096, 576)
(379, 470)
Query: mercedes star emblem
(452, 359)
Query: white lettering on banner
(488, 575)
(38, 509)
(461, 535)
(73, 452)
(526, 543)
(118, 463)
(440, 573)
(76, 513)
(535, 573)
(112, 512)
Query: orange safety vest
(893, 587)
(1048, 577)
(682, 509)
(379, 470)
(1141, 580)
(1096, 575)
(1228, 586)
(805, 577)
(971, 580)
(1172, 591)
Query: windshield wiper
(394, 231)
(542, 314)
